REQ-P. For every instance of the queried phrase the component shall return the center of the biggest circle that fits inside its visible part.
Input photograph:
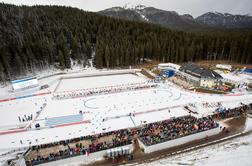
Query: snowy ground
(232, 153)
(47, 76)
(11, 111)
(236, 77)
(104, 112)
(95, 82)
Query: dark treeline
(40, 36)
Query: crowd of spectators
(25, 118)
(118, 138)
(149, 134)
(166, 130)
(223, 113)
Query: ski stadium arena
(87, 104)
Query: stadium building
(224, 67)
(168, 66)
(199, 76)
(25, 83)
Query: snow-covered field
(50, 77)
(104, 112)
(236, 77)
(96, 82)
(11, 110)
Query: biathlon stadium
(81, 118)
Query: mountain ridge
(226, 20)
(173, 20)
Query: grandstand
(24, 83)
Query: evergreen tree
(107, 56)
(61, 59)
(53, 34)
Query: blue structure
(168, 73)
(23, 80)
(249, 71)
(55, 121)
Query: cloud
(193, 7)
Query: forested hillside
(39, 36)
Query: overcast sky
(193, 7)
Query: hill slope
(41, 36)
